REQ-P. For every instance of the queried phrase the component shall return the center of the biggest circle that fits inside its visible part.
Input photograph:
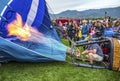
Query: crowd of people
(88, 29)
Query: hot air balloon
(26, 36)
(21, 19)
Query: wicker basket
(116, 56)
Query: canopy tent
(35, 14)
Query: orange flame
(22, 31)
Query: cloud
(98, 4)
(61, 5)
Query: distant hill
(93, 13)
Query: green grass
(54, 71)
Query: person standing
(72, 33)
(99, 29)
(84, 29)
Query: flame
(20, 30)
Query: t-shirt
(84, 30)
(109, 32)
(97, 47)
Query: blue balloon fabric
(35, 14)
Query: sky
(58, 6)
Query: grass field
(54, 71)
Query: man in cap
(94, 52)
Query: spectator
(93, 34)
(108, 31)
(117, 26)
(79, 33)
(84, 30)
(72, 33)
(99, 29)
(90, 25)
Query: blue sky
(58, 6)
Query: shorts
(96, 57)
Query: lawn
(54, 71)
